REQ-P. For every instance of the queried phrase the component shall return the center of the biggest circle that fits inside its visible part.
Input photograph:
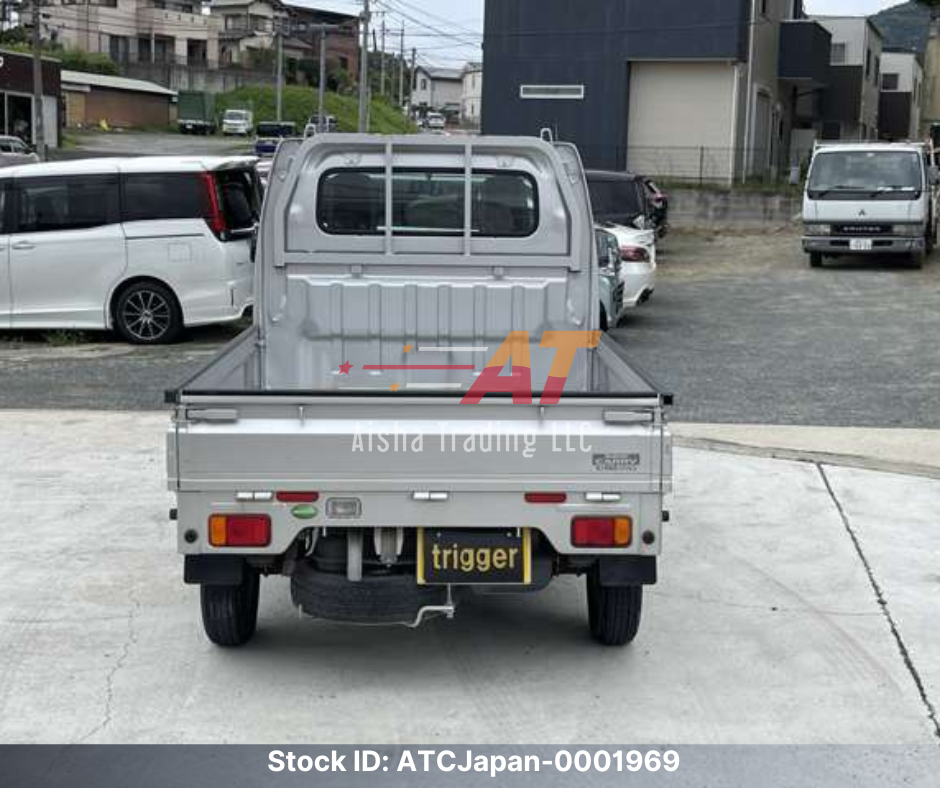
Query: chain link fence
(703, 165)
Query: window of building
(763, 7)
(837, 57)
(877, 70)
(47, 205)
(428, 203)
(571, 92)
(424, 84)
(889, 81)
(868, 64)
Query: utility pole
(364, 70)
(321, 89)
(401, 70)
(39, 132)
(382, 81)
(411, 82)
(279, 70)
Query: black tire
(147, 313)
(815, 259)
(917, 260)
(604, 323)
(613, 613)
(230, 613)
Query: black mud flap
(214, 570)
(627, 570)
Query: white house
(437, 89)
(471, 103)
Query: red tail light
(215, 218)
(298, 497)
(601, 531)
(634, 254)
(239, 530)
(546, 497)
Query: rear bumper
(880, 245)
(465, 511)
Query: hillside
(300, 103)
(904, 26)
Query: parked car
(269, 136)
(267, 450)
(620, 207)
(144, 246)
(871, 198)
(237, 122)
(435, 121)
(608, 261)
(329, 125)
(14, 151)
(659, 207)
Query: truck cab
(871, 198)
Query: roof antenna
(546, 135)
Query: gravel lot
(740, 329)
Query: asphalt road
(142, 143)
(740, 329)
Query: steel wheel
(147, 314)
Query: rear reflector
(298, 497)
(546, 497)
(601, 531)
(239, 530)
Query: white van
(239, 122)
(870, 198)
(145, 246)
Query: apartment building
(851, 103)
(471, 102)
(902, 82)
(135, 31)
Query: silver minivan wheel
(148, 314)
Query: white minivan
(144, 246)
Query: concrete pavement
(797, 604)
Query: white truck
(871, 198)
(360, 438)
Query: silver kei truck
(423, 408)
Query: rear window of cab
(503, 204)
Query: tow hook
(448, 609)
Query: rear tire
(604, 321)
(613, 613)
(147, 313)
(815, 259)
(230, 613)
(917, 260)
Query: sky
(447, 32)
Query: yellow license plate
(492, 557)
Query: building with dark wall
(16, 97)
(687, 88)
